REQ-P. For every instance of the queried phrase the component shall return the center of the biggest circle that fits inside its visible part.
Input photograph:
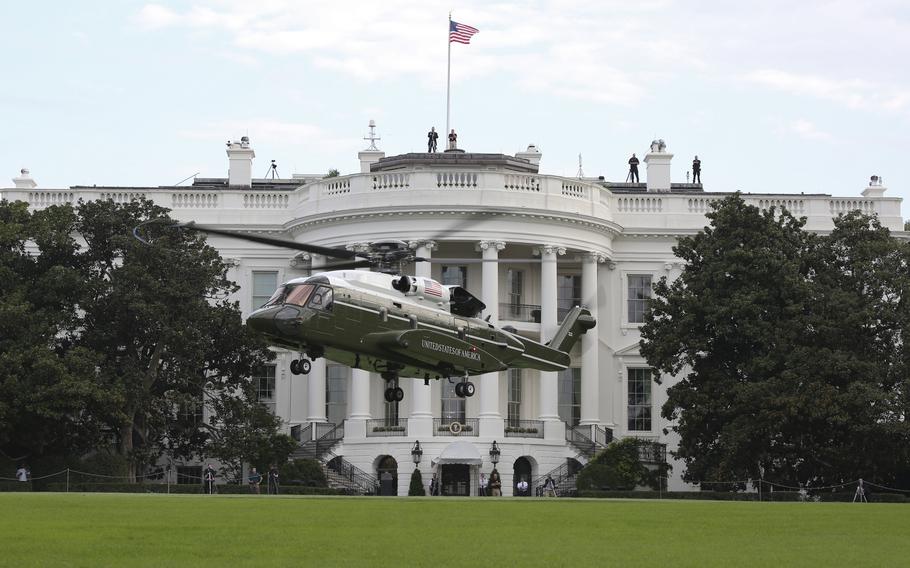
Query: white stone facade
(597, 243)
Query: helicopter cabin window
(264, 284)
(639, 294)
(321, 299)
(455, 276)
(453, 407)
(298, 295)
(570, 396)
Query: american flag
(460, 33)
(432, 288)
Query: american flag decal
(432, 288)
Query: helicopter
(392, 324)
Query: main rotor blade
(344, 265)
(474, 260)
(315, 249)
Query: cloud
(276, 132)
(807, 130)
(851, 93)
(562, 47)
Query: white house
(599, 244)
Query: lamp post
(494, 454)
(416, 453)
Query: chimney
(658, 166)
(875, 189)
(532, 154)
(371, 154)
(24, 180)
(240, 162)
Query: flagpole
(448, 79)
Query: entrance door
(456, 480)
(521, 477)
(388, 476)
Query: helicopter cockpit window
(321, 299)
(277, 298)
(299, 294)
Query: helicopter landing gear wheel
(465, 389)
(394, 394)
(301, 367)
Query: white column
(360, 394)
(315, 396)
(590, 381)
(549, 389)
(420, 423)
(491, 424)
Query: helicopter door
(321, 302)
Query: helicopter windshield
(298, 295)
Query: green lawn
(46, 529)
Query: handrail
(384, 427)
(581, 441)
(353, 475)
(524, 428)
(467, 427)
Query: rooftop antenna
(186, 178)
(372, 137)
(273, 171)
(581, 172)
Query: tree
(787, 347)
(48, 388)
(115, 339)
(416, 489)
(332, 173)
(246, 433)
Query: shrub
(304, 472)
(416, 489)
(616, 467)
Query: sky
(773, 96)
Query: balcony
(524, 428)
(446, 427)
(387, 427)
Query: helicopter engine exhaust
(424, 287)
(404, 285)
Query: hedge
(733, 496)
(185, 488)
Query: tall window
(264, 285)
(515, 287)
(455, 276)
(639, 294)
(191, 410)
(336, 393)
(570, 396)
(514, 397)
(568, 293)
(639, 400)
(264, 379)
(452, 406)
